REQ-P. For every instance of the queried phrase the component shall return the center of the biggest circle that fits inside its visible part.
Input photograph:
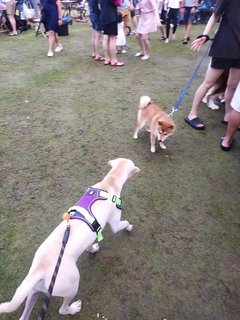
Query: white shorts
(236, 99)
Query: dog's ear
(160, 123)
(171, 127)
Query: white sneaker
(50, 54)
(58, 48)
(145, 58)
(124, 51)
(167, 40)
(138, 54)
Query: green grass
(61, 120)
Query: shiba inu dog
(160, 125)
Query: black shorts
(110, 29)
(219, 63)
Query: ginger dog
(160, 125)
(106, 208)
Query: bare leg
(106, 48)
(139, 39)
(233, 79)
(112, 48)
(211, 76)
(233, 124)
(146, 45)
(12, 22)
(51, 40)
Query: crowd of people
(112, 21)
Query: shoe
(106, 63)
(50, 54)
(185, 41)
(13, 34)
(223, 148)
(145, 58)
(162, 38)
(167, 40)
(117, 64)
(139, 54)
(99, 58)
(124, 51)
(194, 123)
(59, 48)
(219, 102)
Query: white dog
(105, 207)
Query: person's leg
(233, 125)
(233, 80)
(145, 46)
(97, 39)
(112, 48)
(140, 42)
(106, 48)
(51, 42)
(168, 22)
(211, 76)
(175, 23)
(10, 10)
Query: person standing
(52, 19)
(109, 22)
(233, 121)
(225, 53)
(96, 29)
(10, 11)
(125, 8)
(148, 22)
(190, 7)
(172, 18)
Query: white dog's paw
(153, 149)
(162, 145)
(93, 248)
(135, 136)
(129, 227)
(75, 307)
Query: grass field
(62, 119)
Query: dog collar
(82, 209)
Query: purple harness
(82, 209)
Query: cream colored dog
(81, 238)
(160, 125)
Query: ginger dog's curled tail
(144, 102)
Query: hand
(197, 44)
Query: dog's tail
(21, 293)
(144, 102)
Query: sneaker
(167, 40)
(58, 48)
(124, 51)
(162, 38)
(50, 54)
(145, 58)
(138, 54)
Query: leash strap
(43, 311)
(190, 80)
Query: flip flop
(223, 148)
(106, 63)
(99, 58)
(117, 64)
(194, 123)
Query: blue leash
(190, 80)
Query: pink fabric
(148, 20)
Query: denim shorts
(219, 63)
(95, 20)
